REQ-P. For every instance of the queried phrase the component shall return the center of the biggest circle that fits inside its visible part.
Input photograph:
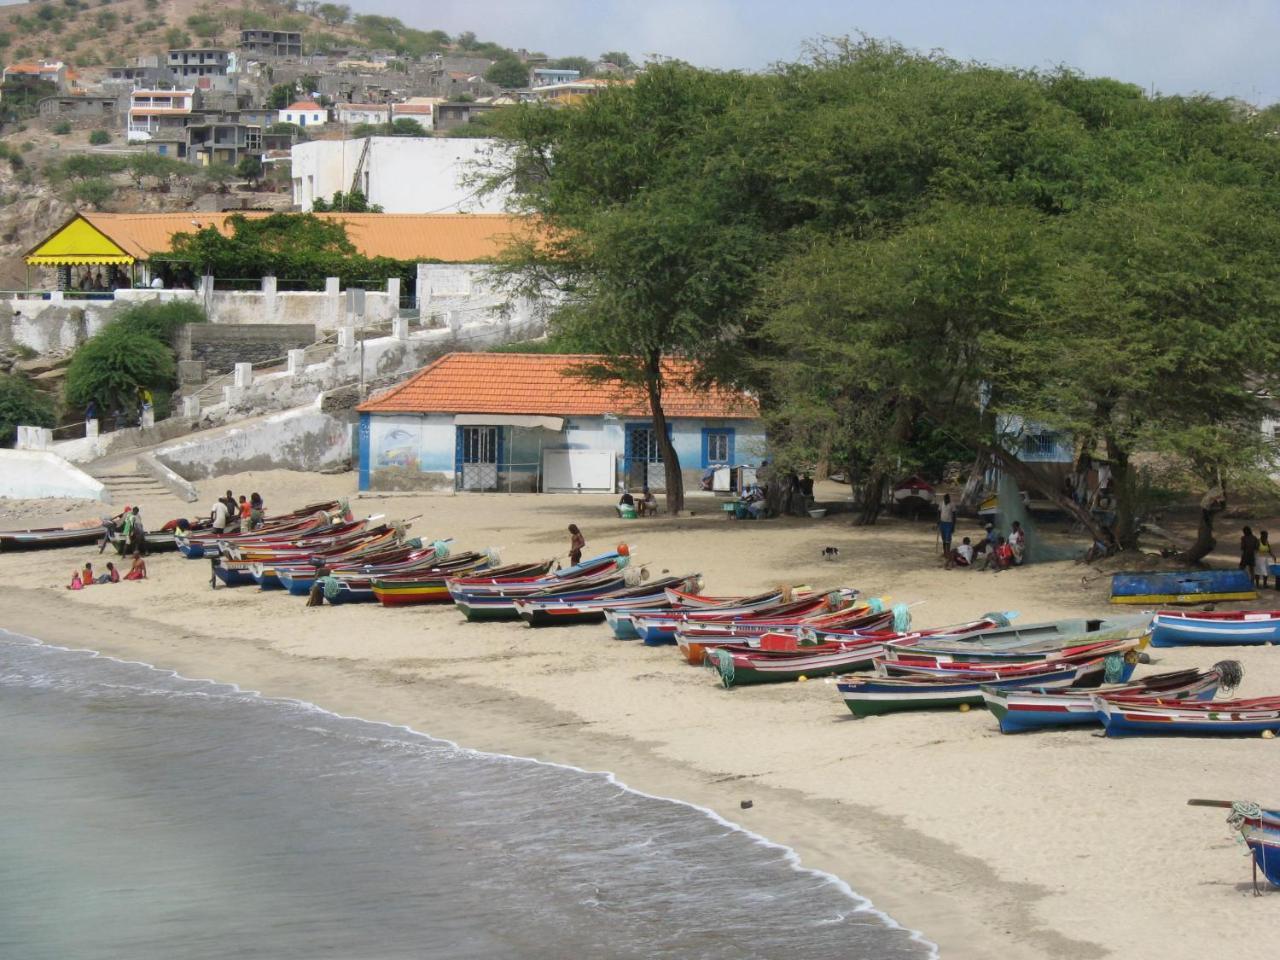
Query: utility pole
(355, 309)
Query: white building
(416, 108)
(400, 174)
(305, 113)
(151, 111)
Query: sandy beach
(1050, 845)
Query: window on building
(717, 447)
(480, 445)
(1039, 444)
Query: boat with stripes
(1135, 716)
(432, 586)
(1218, 628)
(540, 611)
(1184, 586)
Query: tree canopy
(896, 249)
(21, 404)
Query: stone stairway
(126, 486)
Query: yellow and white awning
(77, 243)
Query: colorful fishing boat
(539, 611)
(1134, 716)
(1187, 586)
(1264, 845)
(1174, 628)
(1029, 641)
(623, 626)
(902, 663)
(432, 586)
(489, 598)
(1259, 829)
(659, 627)
(1018, 709)
(872, 696)
(695, 640)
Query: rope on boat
(999, 619)
(901, 618)
(330, 585)
(1230, 673)
(440, 548)
(623, 560)
(834, 600)
(414, 544)
(493, 555)
(1113, 668)
(875, 604)
(1242, 810)
(721, 661)
(633, 576)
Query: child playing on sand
(86, 575)
(76, 583)
(576, 542)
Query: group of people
(646, 506)
(133, 534)
(86, 578)
(994, 550)
(132, 417)
(1256, 556)
(230, 515)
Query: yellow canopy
(79, 242)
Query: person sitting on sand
(87, 575)
(111, 576)
(139, 569)
(76, 583)
(1000, 557)
(987, 543)
(576, 543)
(626, 500)
(648, 503)
(961, 556)
(1018, 542)
(315, 597)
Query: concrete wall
(222, 346)
(304, 439)
(402, 174)
(32, 474)
(417, 451)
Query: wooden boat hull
(874, 696)
(1190, 586)
(1226, 717)
(11, 540)
(1264, 845)
(1173, 629)
(234, 576)
(1021, 709)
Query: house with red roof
(305, 113)
(547, 422)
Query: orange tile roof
(304, 105)
(445, 237)
(546, 384)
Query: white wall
(401, 174)
(32, 474)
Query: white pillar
(191, 406)
(269, 299)
(55, 296)
(91, 428)
(243, 375)
(346, 338)
(23, 438)
(332, 302)
(454, 318)
(229, 394)
(400, 328)
(393, 296)
(42, 438)
(297, 361)
(422, 290)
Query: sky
(1221, 47)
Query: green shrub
(160, 321)
(111, 366)
(21, 404)
(98, 137)
(62, 127)
(94, 191)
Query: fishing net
(440, 548)
(1012, 508)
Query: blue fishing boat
(1147, 716)
(237, 576)
(1172, 628)
(1183, 586)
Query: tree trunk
(1213, 503)
(873, 497)
(1028, 479)
(670, 459)
(1123, 491)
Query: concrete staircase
(124, 485)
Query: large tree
(649, 247)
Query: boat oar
(1226, 804)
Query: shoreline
(860, 903)
(1025, 846)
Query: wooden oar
(1210, 803)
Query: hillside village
(155, 106)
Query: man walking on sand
(946, 523)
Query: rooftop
(304, 105)
(550, 384)
(128, 237)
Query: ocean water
(145, 815)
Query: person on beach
(245, 509)
(1018, 542)
(1262, 565)
(648, 502)
(110, 526)
(576, 542)
(626, 500)
(219, 517)
(946, 523)
(987, 543)
(315, 597)
(136, 542)
(111, 576)
(86, 575)
(1000, 556)
(255, 511)
(139, 569)
(1248, 550)
(76, 583)
(961, 556)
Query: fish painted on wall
(397, 448)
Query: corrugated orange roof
(446, 237)
(546, 384)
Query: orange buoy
(624, 550)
